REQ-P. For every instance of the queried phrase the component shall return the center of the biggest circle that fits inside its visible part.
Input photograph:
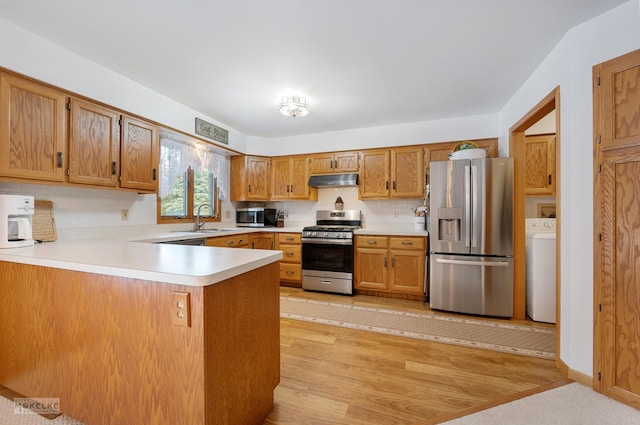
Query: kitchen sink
(200, 231)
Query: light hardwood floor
(332, 375)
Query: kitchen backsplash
(85, 208)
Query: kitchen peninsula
(142, 333)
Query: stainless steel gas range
(328, 253)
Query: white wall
(569, 65)
(39, 58)
(446, 130)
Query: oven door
(327, 255)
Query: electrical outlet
(227, 214)
(181, 309)
(124, 215)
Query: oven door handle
(328, 241)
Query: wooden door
(299, 182)
(258, 178)
(372, 269)
(322, 163)
(32, 130)
(139, 155)
(280, 177)
(540, 165)
(94, 144)
(406, 274)
(407, 172)
(263, 241)
(374, 174)
(616, 224)
(346, 162)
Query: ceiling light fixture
(294, 106)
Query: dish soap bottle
(339, 203)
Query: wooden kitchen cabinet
(391, 265)
(94, 144)
(291, 264)
(33, 130)
(334, 162)
(262, 241)
(139, 155)
(392, 173)
(440, 151)
(290, 178)
(250, 178)
(540, 165)
(235, 241)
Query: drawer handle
(289, 253)
(288, 239)
(407, 243)
(290, 272)
(370, 242)
(230, 243)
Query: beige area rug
(572, 404)
(489, 335)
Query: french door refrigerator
(471, 236)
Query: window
(191, 174)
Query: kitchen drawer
(291, 253)
(407, 243)
(291, 272)
(230, 242)
(289, 238)
(371, 241)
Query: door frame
(548, 104)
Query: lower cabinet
(390, 265)
(262, 241)
(291, 264)
(235, 241)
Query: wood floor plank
(333, 375)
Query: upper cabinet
(250, 178)
(94, 144)
(290, 178)
(334, 163)
(139, 155)
(32, 130)
(392, 173)
(441, 151)
(540, 165)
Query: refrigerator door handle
(467, 206)
(474, 205)
(473, 263)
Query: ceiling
(361, 63)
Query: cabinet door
(540, 165)
(374, 174)
(406, 272)
(322, 163)
(299, 186)
(32, 130)
(372, 269)
(139, 155)
(262, 241)
(94, 144)
(407, 172)
(258, 178)
(280, 178)
(346, 162)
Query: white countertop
(176, 264)
(140, 256)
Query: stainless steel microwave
(256, 217)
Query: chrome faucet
(199, 221)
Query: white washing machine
(541, 269)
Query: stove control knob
(342, 235)
(325, 234)
(313, 234)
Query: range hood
(334, 180)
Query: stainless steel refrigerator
(471, 236)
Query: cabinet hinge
(69, 105)
(68, 171)
(599, 139)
